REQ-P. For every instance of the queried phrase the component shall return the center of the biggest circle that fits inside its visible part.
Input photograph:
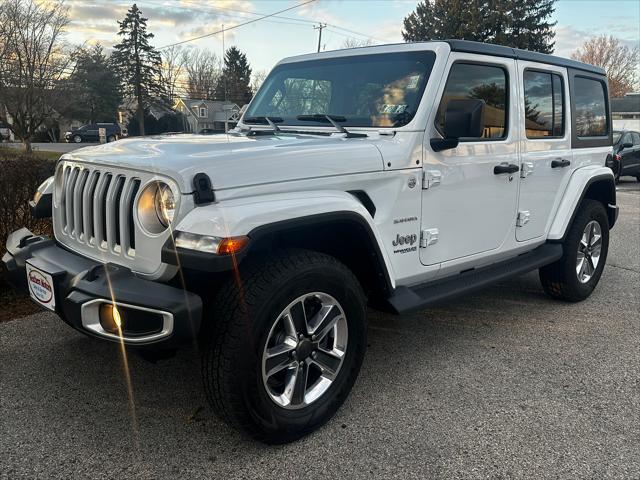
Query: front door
(468, 207)
(546, 147)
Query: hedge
(20, 176)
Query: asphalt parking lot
(503, 384)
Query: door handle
(505, 168)
(560, 163)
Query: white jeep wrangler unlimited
(398, 176)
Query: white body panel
(262, 179)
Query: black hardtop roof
(501, 51)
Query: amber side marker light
(229, 246)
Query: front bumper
(82, 285)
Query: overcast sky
(266, 41)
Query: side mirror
(463, 118)
(627, 145)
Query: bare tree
(172, 71)
(34, 60)
(203, 73)
(256, 80)
(619, 61)
(356, 42)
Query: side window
(482, 82)
(590, 108)
(543, 104)
(636, 139)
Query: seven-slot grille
(95, 208)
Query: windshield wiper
(333, 120)
(271, 121)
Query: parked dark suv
(91, 133)
(625, 157)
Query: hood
(233, 160)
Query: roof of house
(630, 103)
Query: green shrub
(20, 176)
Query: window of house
(543, 104)
(203, 112)
(482, 82)
(590, 108)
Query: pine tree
(94, 88)
(138, 63)
(235, 84)
(516, 23)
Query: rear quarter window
(590, 113)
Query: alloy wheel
(304, 351)
(589, 250)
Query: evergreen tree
(137, 62)
(235, 84)
(93, 88)
(516, 23)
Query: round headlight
(156, 207)
(165, 203)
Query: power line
(236, 26)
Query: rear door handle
(560, 163)
(505, 168)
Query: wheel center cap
(304, 349)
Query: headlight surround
(156, 207)
(165, 203)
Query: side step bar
(411, 299)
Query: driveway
(506, 383)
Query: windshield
(381, 90)
(616, 137)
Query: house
(625, 112)
(157, 108)
(207, 114)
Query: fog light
(110, 318)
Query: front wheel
(285, 346)
(585, 248)
(77, 139)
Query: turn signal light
(229, 246)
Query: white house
(207, 114)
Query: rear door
(546, 155)
(468, 209)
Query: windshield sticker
(388, 108)
(412, 83)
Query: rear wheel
(576, 274)
(285, 346)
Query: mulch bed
(14, 305)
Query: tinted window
(381, 90)
(481, 82)
(628, 138)
(543, 104)
(590, 108)
(616, 137)
(636, 138)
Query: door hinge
(526, 169)
(523, 218)
(428, 237)
(431, 178)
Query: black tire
(111, 138)
(560, 279)
(241, 323)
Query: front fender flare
(258, 216)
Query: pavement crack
(623, 268)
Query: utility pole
(319, 28)
(224, 77)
